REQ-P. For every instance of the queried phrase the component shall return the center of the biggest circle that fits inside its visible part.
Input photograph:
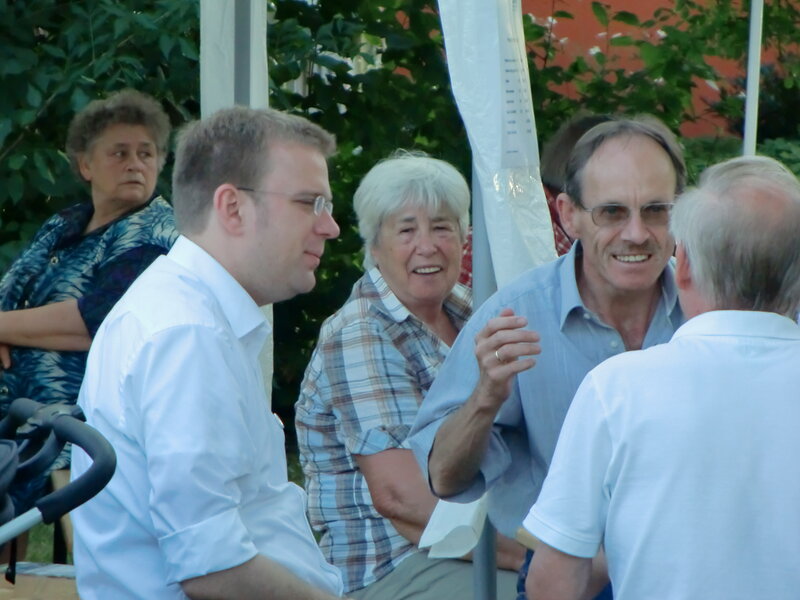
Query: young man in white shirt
(200, 505)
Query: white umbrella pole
(753, 77)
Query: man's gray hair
(232, 146)
(408, 178)
(739, 229)
(642, 125)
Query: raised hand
(503, 348)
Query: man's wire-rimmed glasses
(317, 203)
(655, 214)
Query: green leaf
(121, 26)
(5, 129)
(34, 96)
(651, 56)
(621, 40)
(188, 49)
(25, 117)
(626, 17)
(14, 187)
(78, 99)
(42, 167)
(11, 66)
(53, 51)
(329, 62)
(166, 44)
(16, 161)
(600, 13)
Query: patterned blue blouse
(62, 263)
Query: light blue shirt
(573, 340)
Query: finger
(490, 359)
(515, 351)
(504, 321)
(507, 370)
(486, 347)
(513, 336)
(5, 356)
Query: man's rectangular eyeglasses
(614, 215)
(317, 203)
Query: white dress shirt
(173, 382)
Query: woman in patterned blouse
(81, 261)
(375, 360)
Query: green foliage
(777, 91)
(398, 97)
(672, 48)
(785, 150)
(58, 55)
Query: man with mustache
(492, 417)
(200, 505)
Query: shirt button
(4, 389)
(614, 343)
(587, 315)
(26, 304)
(53, 260)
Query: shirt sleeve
(372, 387)
(112, 279)
(570, 513)
(198, 439)
(454, 384)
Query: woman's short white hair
(408, 178)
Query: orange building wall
(577, 36)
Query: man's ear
(229, 208)
(683, 272)
(568, 212)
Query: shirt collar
(742, 323)
(391, 303)
(458, 303)
(77, 217)
(571, 297)
(241, 311)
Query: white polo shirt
(682, 460)
(173, 382)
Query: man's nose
(326, 226)
(635, 230)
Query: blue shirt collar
(571, 297)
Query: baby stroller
(31, 437)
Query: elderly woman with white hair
(375, 359)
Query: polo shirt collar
(740, 323)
